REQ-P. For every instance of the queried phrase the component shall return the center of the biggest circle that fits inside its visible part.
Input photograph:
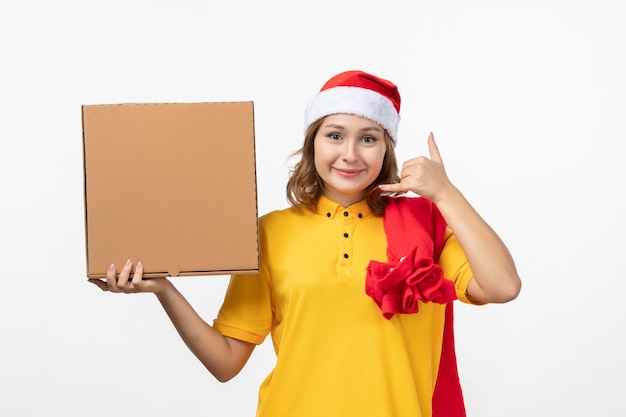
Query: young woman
(356, 281)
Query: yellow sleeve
(246, 313)
(455, 267)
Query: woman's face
(349, 152)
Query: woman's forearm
(495, 275)
(222, 356)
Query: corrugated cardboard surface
(171, 185)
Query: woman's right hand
(127, 284)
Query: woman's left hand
(424, 176)
(495, 276)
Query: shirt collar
(329, 208)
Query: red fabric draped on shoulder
(415, 232)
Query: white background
(527, 102)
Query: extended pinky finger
(393, 188)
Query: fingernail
(139, 264)
(111, 267)
(128, 262)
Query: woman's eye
(369, 139)
(334, 136)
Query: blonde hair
(305, 185)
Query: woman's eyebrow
(364, 129)
(373, 127)
(334, 126)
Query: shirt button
(360, 216)
(345, 255)
(345, 235)
(327, 214)
(345, 213)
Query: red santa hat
(361, 94)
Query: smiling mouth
(348, 172)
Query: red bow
(396, 287)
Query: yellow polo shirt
(337, 356)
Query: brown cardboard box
(171, 185)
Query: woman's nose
(349, 151)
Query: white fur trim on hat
(357, 101)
